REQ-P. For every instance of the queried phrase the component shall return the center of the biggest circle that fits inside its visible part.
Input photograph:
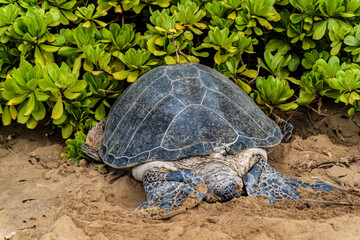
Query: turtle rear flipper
(90, 151)
(171, 193)
(263, 180)
(286, 129)
(93, 141)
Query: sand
(44, 196)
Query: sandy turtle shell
(182, 110)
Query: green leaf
(67, 130)
(39, 56)
(244, 86)
(320, 28)
(79, 86)
(31, 123)
(121, 75)
(354, 96)
(169, 60)
(294, 62)
(6, 116)
(335, 47)
(60, 120)
(251, 73)
(100, 112)
(68, 51)
(32, 84)
(17, 100)
(30, 106)
(98, 165)
(276, 44)
(41, 96)
(77, 66)
(13, 112)
(288, 106)
(351, 111)
(21, 118)
(88, 66)
(49, 48)
(58, 109)
(39, 112)
(352, 41)
(71, 95)
(305, 98)
(132, 76)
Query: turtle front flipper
(263, 180)
(171, 193)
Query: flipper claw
(171, 193)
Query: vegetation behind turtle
(69, 61)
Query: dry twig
(12, 152)
(351, 159)
(342, 162)
(354, 121)
(313, 109)
(178, 49)
(340, 188)
(333, 203)
(343, 189)
(311, 121)
(33, 226)
(325, 165)
(109, 91)
(257, 73)
(278, 119)
(319, 105)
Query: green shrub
(69, 60)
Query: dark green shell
(183, 110)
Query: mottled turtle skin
(191, 134)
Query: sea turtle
(189, 133)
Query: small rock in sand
(83, 163)
(102, 170)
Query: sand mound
(46, 197)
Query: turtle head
(93, 141)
